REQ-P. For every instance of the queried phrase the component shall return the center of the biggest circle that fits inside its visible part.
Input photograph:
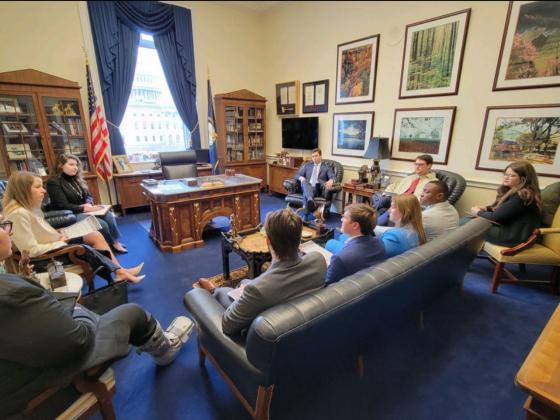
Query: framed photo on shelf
(530, 44)
(530, 132)
(14, 127)
(351, 133)
(433, 55)
(315, 97)
(418, 131)
(287, 98)
(122, 164)
(356, 70)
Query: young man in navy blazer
(361, 250)
(314, 176)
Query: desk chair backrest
(455, 182)
(175, 165)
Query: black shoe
(310, 206)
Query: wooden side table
(354, 191)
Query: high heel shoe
(135, 270)
(131, 279)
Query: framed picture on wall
(530, 46)
(351, 133)
(433, 55)
(530, 132)
(287, 98)
(315, 97)
(418, 131)
(356, 70)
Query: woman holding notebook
(22, 206)
(68, 191)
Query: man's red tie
(412, 186)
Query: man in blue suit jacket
(361, 250)
(314, 176)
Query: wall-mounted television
(300, 133)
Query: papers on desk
(103, 209)
(82, 228)
(311, 246)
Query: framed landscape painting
(530, 132)
(529, 55)
(351, 133)
(418, 131)
(433, 55)
(356, 70)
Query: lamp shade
(378, 148)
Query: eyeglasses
(6, 226)
(511, 176)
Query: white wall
(302, 39)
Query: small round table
(74, 282)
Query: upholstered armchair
(96, 388)
(175, 165)
(295, 193)
(529, 252)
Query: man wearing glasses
(412, 184)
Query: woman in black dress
(68, 191)
(517, 209)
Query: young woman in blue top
(406, 214)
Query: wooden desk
(129, 189)
(539, 375)
(276, 176)
(180, 212)
(354, 193)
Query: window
(150, 101)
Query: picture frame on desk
(122, 164)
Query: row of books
(31, 165)
(234, 155)
(72, 127)
(255, 112)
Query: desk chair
(175, 165)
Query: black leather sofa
(56, 218)
(295, 193)
(339, 320)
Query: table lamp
(378, 148)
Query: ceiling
(255, 6)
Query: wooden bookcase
(41, 116)
(240, 119)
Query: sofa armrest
(292, 185)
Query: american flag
(99, 134)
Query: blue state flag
(212, 135)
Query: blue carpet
(461, 365)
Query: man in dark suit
(314, 176)
(288, 276)
(361, 250)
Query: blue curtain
(116, 28)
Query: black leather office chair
(295, 193)
(175, 165)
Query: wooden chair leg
(264, 397)
(497, 275)
(360, 365)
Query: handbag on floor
(105, 298)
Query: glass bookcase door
(21, 134)
(65, 128)
(235, 142)
(255, 118)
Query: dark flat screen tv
(300, 133)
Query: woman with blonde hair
(405, 212)
(68, 191)
(22, 206)
(517, 208)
